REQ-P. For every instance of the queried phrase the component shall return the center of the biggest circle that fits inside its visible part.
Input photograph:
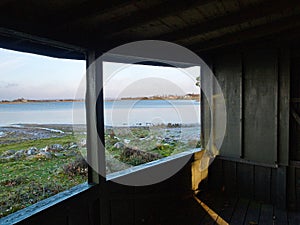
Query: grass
(147, 141)
(40, 143)
(25, 182)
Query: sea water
(116, 113)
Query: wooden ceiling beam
(19, 41)
(85, 10)
(166, 8)
(289, 23)
(244, 15)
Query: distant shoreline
(24, 101)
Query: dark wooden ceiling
(41, 26)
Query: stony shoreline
(26, 132)
(129, 145)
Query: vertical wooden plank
(281, 187)
(91, 120)
(284, 105)
(266, 215)
(205, 109)
(273, 187)
(262, 184)
(260, 105)
(295, 93)
(78, 211)
(294, 150)
(215, 175)
(122, 212)
(230, 177)
(95, 132)
(298, 187)
(228, 71)
(292, 200)
(94, 209)
(54, 215)
(146, 210)
(245, 180)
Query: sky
(30, 76)
(121, 80)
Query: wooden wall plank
(260, 105)
(94, 211)
(71, 211)
(297, 182)
(281, 187)
(215, 176)
(78, 211)
(230, 177)
(205, 108)
(291, 184)
(284, 106)
(273, 184)
(262, 179)
(245, 180)
(228, 71)
(295, 93)
(146, 211)
(122, 212)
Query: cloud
(4, 84)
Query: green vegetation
(28, 180)
(40, 143)
(139, 145)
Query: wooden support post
(95, 133)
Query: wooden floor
(212, 208)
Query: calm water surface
(117, 113)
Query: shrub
(78, 167)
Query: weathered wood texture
(79, 209)
(223, 209)
(257, 182)
(294, 156)
(295, 106)
(284, 105)
(228, 71)
(255, 83)
(207, 207)
(260, 105)
(255, 152)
